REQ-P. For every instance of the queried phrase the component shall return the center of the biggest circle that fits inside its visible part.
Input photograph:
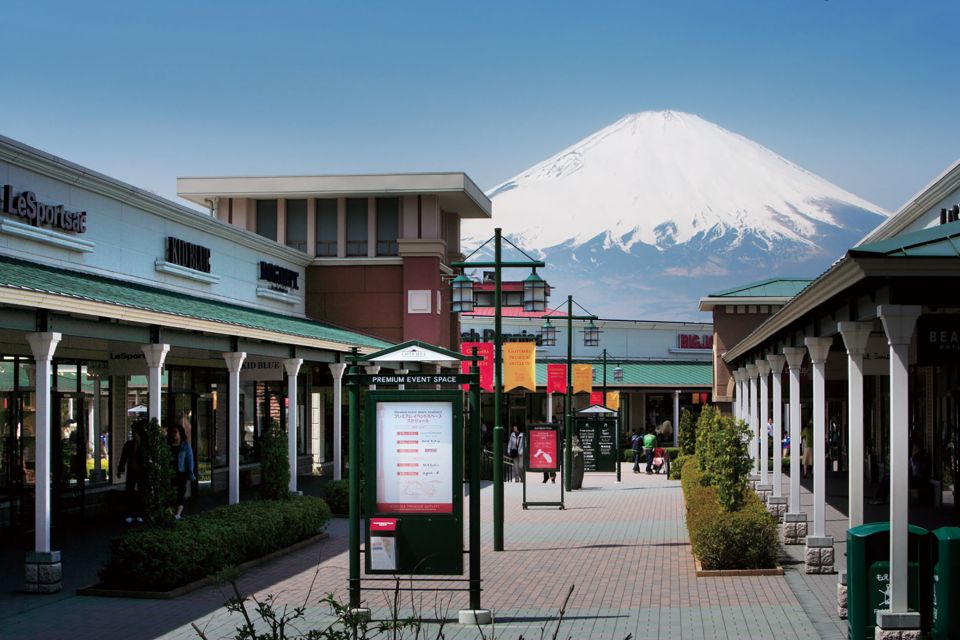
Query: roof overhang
(708, 303)
(456, 191)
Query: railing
(486, 465)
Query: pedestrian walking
(636, 443)
(131, 465)
(515, 451)
(649, 443)
(183, 465)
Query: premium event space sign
(414, 457)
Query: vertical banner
(556, 378)
(520, 365)
(485, 351)
(596, 397)
(582, 378)
(613, 400)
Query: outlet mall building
(116, 304)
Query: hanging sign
(543, 448)
(582, 378)
(519, 366)
(261, 369)
(485, 351)
(414, 457)
(613, 400)
(596, 397)
(556, 378)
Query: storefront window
(326, 227)
(356, 226)
(296, 236)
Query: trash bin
(868, 576)
(576, 474)
(944, 621)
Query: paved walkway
(623, 547)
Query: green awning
(647, 374)
(27, 276)
(939, 241)
(771, 288)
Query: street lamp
(534, 293)
(461, 294)
(618, 374)
(498, 264)
(548, 334)
(591, 335)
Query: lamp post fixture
(594, 339)
(534, 287)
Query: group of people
(645, 445)
(134, 459)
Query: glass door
(69, 452)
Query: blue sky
(861, 92)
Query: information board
(542, 452)
(414, 457)
(597, 439)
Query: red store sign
(694, 341)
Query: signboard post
(542, 453)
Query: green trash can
(868, 576)
(944, 621)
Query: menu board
(597, 439)
(414, 457)
(543, 450)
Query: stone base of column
(777, 506)
(764, 491)
(794, 528)
(43, 572)
(842, 595)
(818, 555)
(754, 480)
(898, 626)
(474, 617)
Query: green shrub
(723, 457)
(337, 495)
(676, 467)
(742, 539)
(687, 437)
(274, 466)
(158, 494)
(160, 559)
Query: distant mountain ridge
(665, 207)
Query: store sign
(543, 450)
(26, 205)
(694, 341)
(258, 369)
(127, 363)
(488, 335)
(279, 276)
(188, 255)
(414, 457)
(938, 339)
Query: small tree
(158, 473)
(687, 434)
(731, 464)
(706, 425)
(274, 466)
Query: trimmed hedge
(672, 452)
(743, 539)
(676, 467)
(337, 495)
(163, 558)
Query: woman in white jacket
(515, 451)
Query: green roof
(772, 288)
(939, 241)
(664, 374)
(28, 276)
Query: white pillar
(898, 323)
(776, 362)
(855, 337)
(155, 354)
(43, 346)
(550, 406)
(676, 417)
(819, 349)
(741, 393)
(234, 362)
(372, 370)
(752, 395)
(794, 356)
(292, 367)
(763, 369)
(336, 370)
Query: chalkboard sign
(597, 439)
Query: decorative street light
(461, 294)
(534, 293)
(498, 264)
(548, 334)
(618, 374)
(591, 335)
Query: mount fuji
(644, 217)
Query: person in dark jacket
(132, 466)
(182, 454)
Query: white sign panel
(415, 457)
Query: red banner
(596, 397)
(485, 350)
(542, 450)
(556, 378)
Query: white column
(155, 354)
(776, 362)
(43, 346)
(738, 376)
(676, 417)
(763, 369)
(292, 367)
(794, 356)
(372, 370)
(898, 323)
(855, 337)
(550, 406)
(819, 349)
(752, 416)
(336, 370)
(234, 362)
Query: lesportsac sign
(26, 205)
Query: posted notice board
(542, 451)
(597, 437)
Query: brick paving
(624, 548)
